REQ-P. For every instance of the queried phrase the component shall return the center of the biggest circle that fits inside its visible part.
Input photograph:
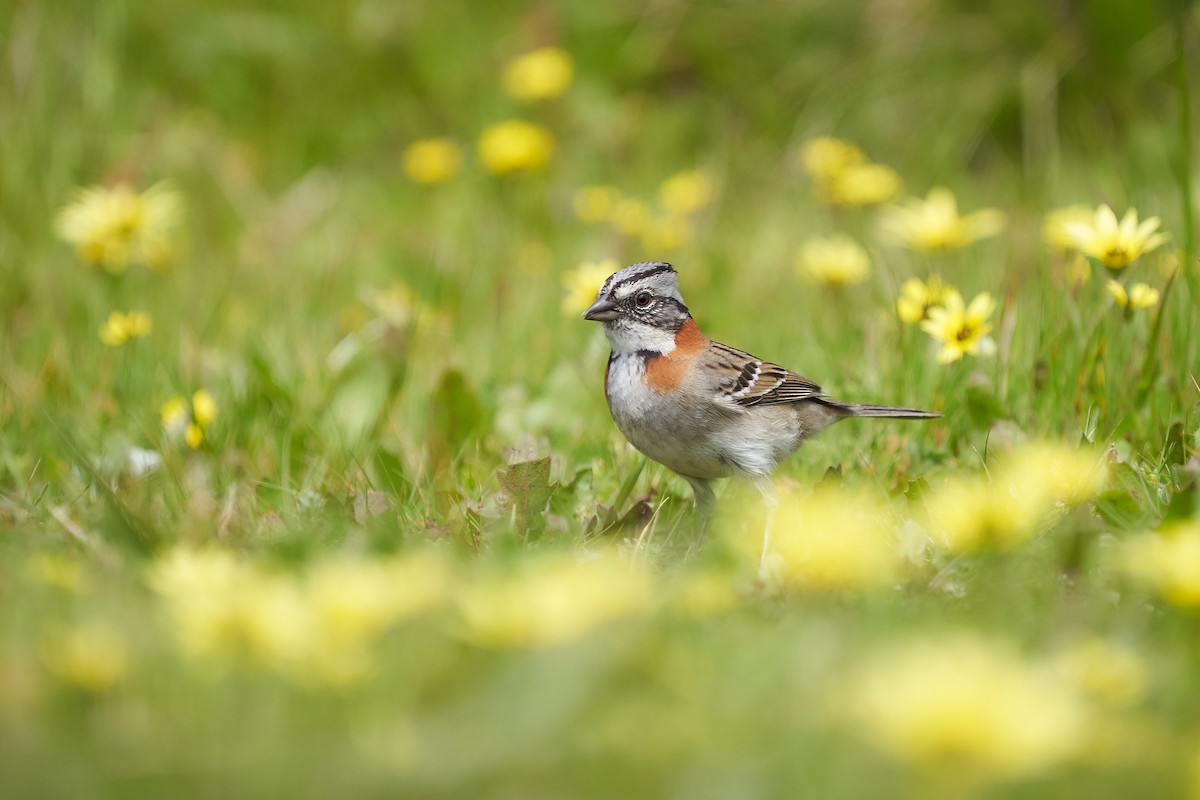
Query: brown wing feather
(762, 382)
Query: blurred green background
(282, 126)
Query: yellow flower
(190, 420)
(935, 224)
(961, 331)
(358, 599)
(352, 602)
(1055, 228)
(834, 261)
(968, 704)
(431, 161)
(204, 408)
(224, 610)
(514, 146)
(1140, 296)
(831, 540)
(56, 570)
(968, 514)
(552, 602)
(859, 185)
(825, 156)
(1168, 561)
(917, 299)
(92, 657)
(583, 284)
(119, 328)
(666, 233)
(1116, 245)
(593, 204)
(971, 513)
(115, 227)
(631, 216)
(686, 192)
(842, 175)
(541, 74)
(704, 593)
(1114, 675)
(1052, 472)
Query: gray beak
(602, 311)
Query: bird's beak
(602, 311)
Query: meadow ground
(307, 482)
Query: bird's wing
(750, 381)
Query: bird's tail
(870, 410)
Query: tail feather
(870, 410)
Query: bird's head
(641, 308)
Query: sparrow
(702, 409)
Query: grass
(472, 429)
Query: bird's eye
(643, 299)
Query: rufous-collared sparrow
(702, 409)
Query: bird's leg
(767, 489)
(706, 502)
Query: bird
(703, 409)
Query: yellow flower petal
(430, 161)
(541, 74)
(515, 146)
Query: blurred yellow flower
(357, 599)
(1139, 296)
(593, 204)
(701, 594)
(583, 284)
(541, 74)
(832, 539)
(1003, 510)
(1168, 561)
(91, 657)
(968, 704)
(663, 234)
(860, 185)
(431, 161)
(935, 223)
(204, 408)
(352, 602)
(686, 192)
(825, 156)
(962, 331)
(1052, 472)
(1116, 245)
(515, 146)
(115, 227)
(316, 629)
(189, 420)
(54, 569)
(631, 216)
(842, 175)
(1116, 676)
(119, 328)
(834, 261)
(552, 601)
(1055, 228)
(224, 610)
(917, 299)
(970, 513)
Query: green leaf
(526, 481)
(456, 418)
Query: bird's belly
(699, 437)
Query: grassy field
(334, 505)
